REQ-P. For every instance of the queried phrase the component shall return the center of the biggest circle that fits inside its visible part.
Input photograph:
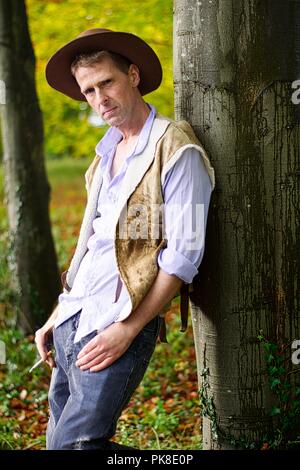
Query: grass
(164, 412)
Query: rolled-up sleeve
(186, 191)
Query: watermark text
(296, 353)
(2, 352)
(2, 92)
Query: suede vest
(139, 220)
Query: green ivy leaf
(274, 383)
(275, 411)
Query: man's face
(111, 93)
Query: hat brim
(58, 68)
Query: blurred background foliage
(68, 132)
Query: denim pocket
(79, 345)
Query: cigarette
(39, 362)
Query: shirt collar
(113, 136)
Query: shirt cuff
(173, 262)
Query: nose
(101, 98)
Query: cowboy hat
(58, 68)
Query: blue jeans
(85, 406)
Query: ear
(134, 75)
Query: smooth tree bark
(234, 64)
(32, 257)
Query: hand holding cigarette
(39, 362)
(44, 344)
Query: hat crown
(90, 32)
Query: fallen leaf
(23, 394)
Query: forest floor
(164, 412)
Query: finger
(93, 360)
(50, 361)
(107, 362)
(41, 347)
(88, 358)
(87, 348)
(90, 350)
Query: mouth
(109, 111)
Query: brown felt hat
(137, 51)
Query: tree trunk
(32, 255)
(234, 63)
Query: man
(134, 250)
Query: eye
(88, 91)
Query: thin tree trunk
(32, 260)
(234, 61)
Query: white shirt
(98, 290)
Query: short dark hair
(91, 58)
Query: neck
(133, 128)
